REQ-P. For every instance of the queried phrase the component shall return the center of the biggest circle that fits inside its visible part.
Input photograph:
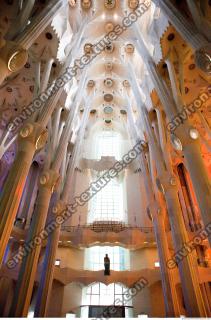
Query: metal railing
(107, 226)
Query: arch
(98, 293)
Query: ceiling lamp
(109, 66)
(109, 4)
(109, 48)
(109, 27)
(108, 97)
(91, 84)
(86, 4)
(129, 48)
(108, 110)
(133, 4)
(88, 48)
(108, 82)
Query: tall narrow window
(108, 203)
(107, 143)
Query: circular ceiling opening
(93, 111)
(109, 66)
(108, 110)
(107, 121)
(108, 97)
(109, 48)
(126, 83)
(109, 4)
(108, 82)
(129, 48)
(91, 83)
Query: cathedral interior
(105, 158)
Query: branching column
(31, 138)
(183, 137)
(48, 181)
(25, 283)
(167, 184)
(167, 275)
(157, 213)
(46, 280)
(48, 266)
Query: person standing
(106, 265)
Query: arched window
(99, 294)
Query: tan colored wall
(157, 300)
(149, 301)
(143, 258)
(71, 258)
(72, 299)
(56, 300)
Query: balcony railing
(107, 226)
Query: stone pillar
(7, 291)
(187, 265)
(196, 168)
(167, 184)
(157, 214)
(32, 137)
(29, 193)
(27, 273)
(167, 275)
(44, 290)
(184, 139)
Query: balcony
(104, 232)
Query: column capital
(12, 58)
(184, 135)
(203, 59)
(59, 207)
(50, 179)
(167, 181)
(32, 133)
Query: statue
(106, 265)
